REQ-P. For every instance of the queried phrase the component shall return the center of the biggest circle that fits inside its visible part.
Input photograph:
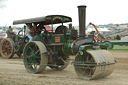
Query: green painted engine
(53, 48)
(13, 44)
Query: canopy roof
(45, 20)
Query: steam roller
(92, 60)
(53, 49)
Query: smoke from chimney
(2, 4)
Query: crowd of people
(31, 30)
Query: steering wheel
(21, 33)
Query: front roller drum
(35, 57)
(97, 64)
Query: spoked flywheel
(7, 48)
(35, 57)
(61, 67)
(97, 64)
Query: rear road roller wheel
(7, 48)
(35, 57)
(97, 64)
(61, 67)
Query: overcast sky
(98, 11)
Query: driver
(28, 30)
(32, 31)
(40, 29)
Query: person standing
(9, 31)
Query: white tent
(100, 29)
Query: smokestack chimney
(82, 18)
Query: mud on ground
(12, 72)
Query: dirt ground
(12, 72)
